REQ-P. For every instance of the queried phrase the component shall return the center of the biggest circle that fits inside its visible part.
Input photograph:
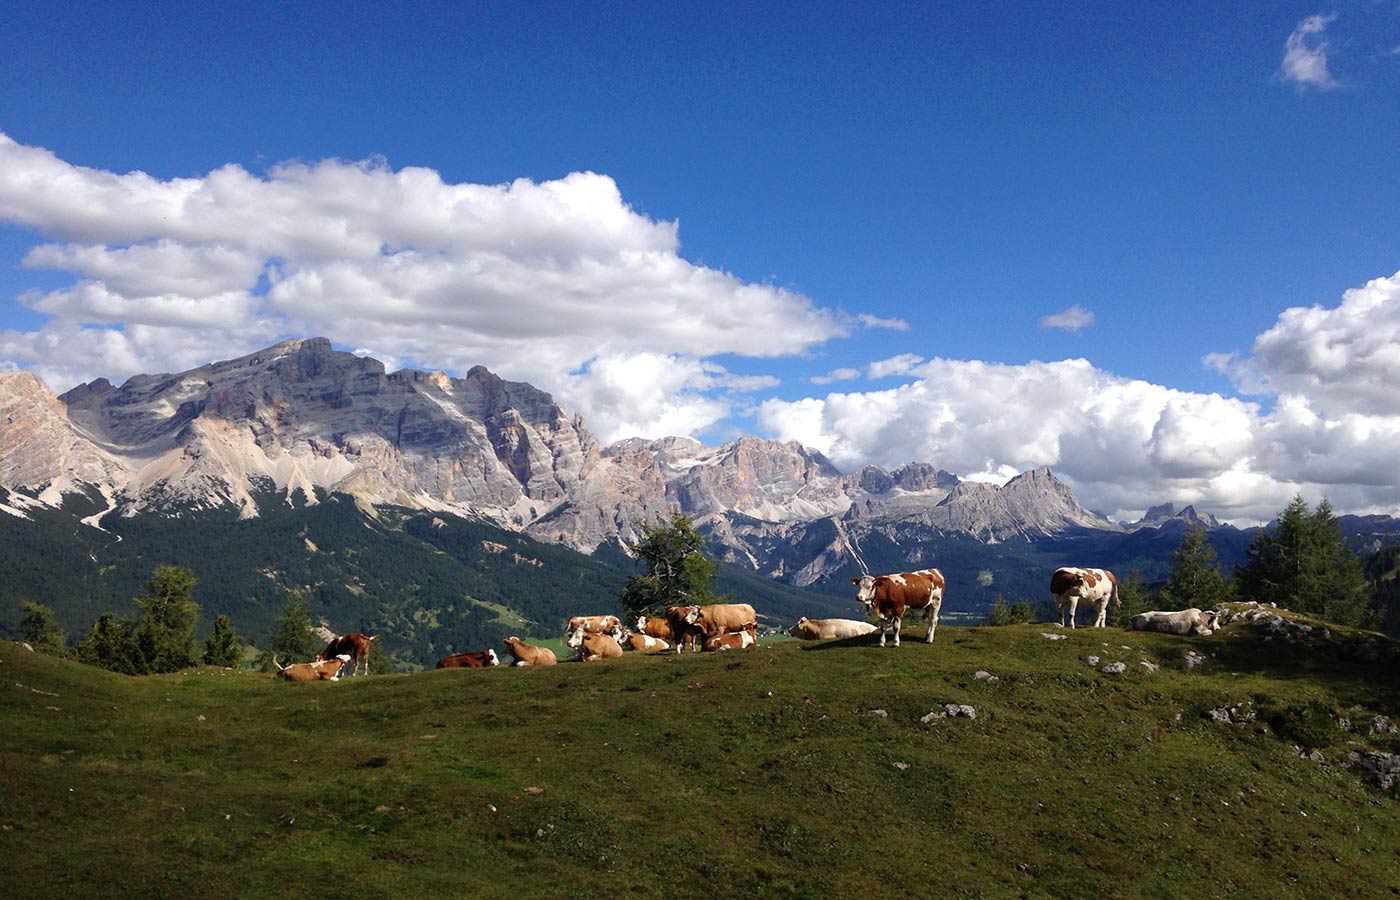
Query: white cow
(1191, 621)
(1072, 585)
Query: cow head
(575, 638)
(692, 615)
(800, 628)
(641, 623)
(494, 659)
(865, 589)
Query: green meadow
(793, 770)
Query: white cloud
(532, 280)
(646, 395)
(870, 321)
(903, 364)
(835, 375)
(1072, 319)
(1305, 55)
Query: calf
(722, 618)
(481, 659)
(653, 627)
(355, 644)
(828, 629)
(1192, 622)
(632, 641)
(529, 655)
(890, 596)
(592, 647)
(1072, 584)
(321, 670)
(733, 640)
(683, 633)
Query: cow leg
(1073, 606)
(1101, 621)
(882, 632)
(931, 617)
(897, 621)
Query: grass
(767, 773)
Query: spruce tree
(1303, 564)
(164, 632)
(40, 629)
(109, 644)
(291, 639)
(1336, 585)
(1195, 578)
(223, 647)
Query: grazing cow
(355, 644)
(722, 618)
(480, 659)
(596, 625)
(632, 641)
(683, 633)
(321, 670)
(654, 627)
(889, 596)
(1192, 622)
(528, 655)
(733, 640)
(1072, 585)
(591, 647)
(827, 629)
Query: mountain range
(300, 423)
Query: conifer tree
(1133, 597)
(291, 639)
(40, 629)
(1303, 564)
(164, 632)
(223, 647)
(109, 644)
(677, 570)
(1195, 578)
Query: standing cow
(722, 618)
(889, 596)
(356, 645)
(683, 632)
(1072, 585)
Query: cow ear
(855, 581)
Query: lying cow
(683, 633)
(1192, 622)
(595, 625)
(829, 629)
(593, 647)
(321, 670)
(481, 659)
(631, 641)
(734, 640)
(890, 596)
(654, 627)
(355, 644)
(529, 655)
(722, 618)
(1072, 585)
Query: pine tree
(223, 647)
(291, 639)
(1336, 585)
(1195, 578)
(40, 629)
(110, 644)
(164, 632)
(678, 572)
(1304, 565)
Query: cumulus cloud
(870, 321)
(903, 364)
(1074, 319)
(835, 375)
(533, 280)
(1305, 55)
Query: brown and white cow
(733, 640)
(354, 644)
(1191, 622)
(654, 627)
(829, 629)
(632, 641)
(1073, 585)
(722, 618)
(592, 647)
(683, 633)
(595, 625)
(890, 596)
(321, 670)
(480, 659)
(528, 654)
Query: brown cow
(632, 641)
(480, 659)
(888, 596)
(733, 640)
(528, 654)
(595, 625)
(592, 647)
(722, 618)
(355, 644)
(654, 627)
(321, 670)
(683, 633)
(1072, 585)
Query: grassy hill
(797, 770)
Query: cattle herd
(734, 626)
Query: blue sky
(1183, 173)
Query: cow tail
(1114, 595)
